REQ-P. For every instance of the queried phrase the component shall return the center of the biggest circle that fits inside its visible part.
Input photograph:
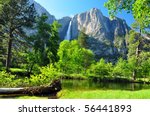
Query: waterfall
(68, 35)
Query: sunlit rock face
(40, 9)
(64, 26)
(107, 38)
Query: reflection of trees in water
(90, 85)
(135, 86)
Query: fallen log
(54, 87)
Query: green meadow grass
(31, 97)
(104, 94)
(97, 94)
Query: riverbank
(87, 89)
(121, 80)
(105, 79)
(103, 94)
(41, 91)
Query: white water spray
(68, 35)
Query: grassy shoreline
(106, 79)
(104, 94)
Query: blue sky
(61, 8)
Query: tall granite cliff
(40, 9)
(64, 26)
(106, 37)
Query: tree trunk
(29, 72)
(134, 74)
(133, 86)
(8, 60)
(54, 87)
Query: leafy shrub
(1, 65)
(73, 58)
(7, 80)
(121, 69)
(18, 71)
(47, 75)
(100, 69)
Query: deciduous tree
(138, 8)
(73, 58)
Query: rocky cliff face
(40, 10)
(106, 37)
(64, 26)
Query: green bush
(100, 69)
(8, 80)
(121, 69)
(1, 65)
(18, 71)
(47, 75)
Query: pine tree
(82, 39)
(138, 53)
(45, 41)
(15, 15)
(2, 51)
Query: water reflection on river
(90, 85)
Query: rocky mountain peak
(95, 11)
(106, 37)
(40, 10)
